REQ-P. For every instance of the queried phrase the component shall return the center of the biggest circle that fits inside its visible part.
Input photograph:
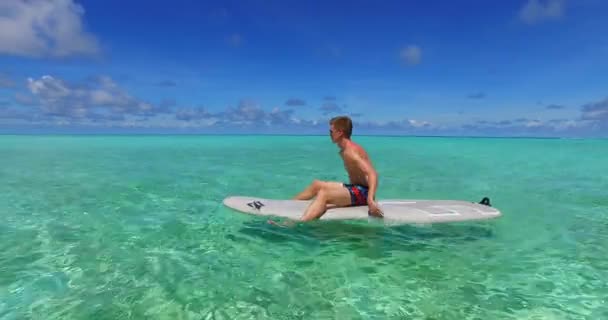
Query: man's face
(333, 133)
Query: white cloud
(534, 127)
(418, 123)
(404, 125)
(534, 11)
(568, 124)
(533, 124)
(97, 99)
(597, 111)
(102, 103)
(38, 28)
(596, 114)
(411, 55)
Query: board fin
(485, 201)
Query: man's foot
(282, 225)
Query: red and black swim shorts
(358, 194)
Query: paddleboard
(396, 211)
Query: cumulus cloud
(25, 99)
(166, 104)
(39, 28)
(97, 99)
(411, 55)
(246, 112)
(15, 114)
(398, 126)
(418, 123)
(507, 122)
(567, 124)
(533, 127)
(99, 102)
(101, 95)
(597, 111)
(189, 114)
(278, 116)
(330, 107)
(593, 120)
(249, 113)
(295, 102)
(535, 11)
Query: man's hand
(374, 209)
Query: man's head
(340, 127)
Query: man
(361, 189)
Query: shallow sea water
(132, 227)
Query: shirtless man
(361, 189)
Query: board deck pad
(396, 211)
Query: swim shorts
(358, 194)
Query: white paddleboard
(397, 211)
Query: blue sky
(526, 67)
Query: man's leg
(310, 191)
(331, 193)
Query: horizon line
(354, 136)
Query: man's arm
(373, 185)
(371, 173)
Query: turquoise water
(132, 227)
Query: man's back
(351, 152)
